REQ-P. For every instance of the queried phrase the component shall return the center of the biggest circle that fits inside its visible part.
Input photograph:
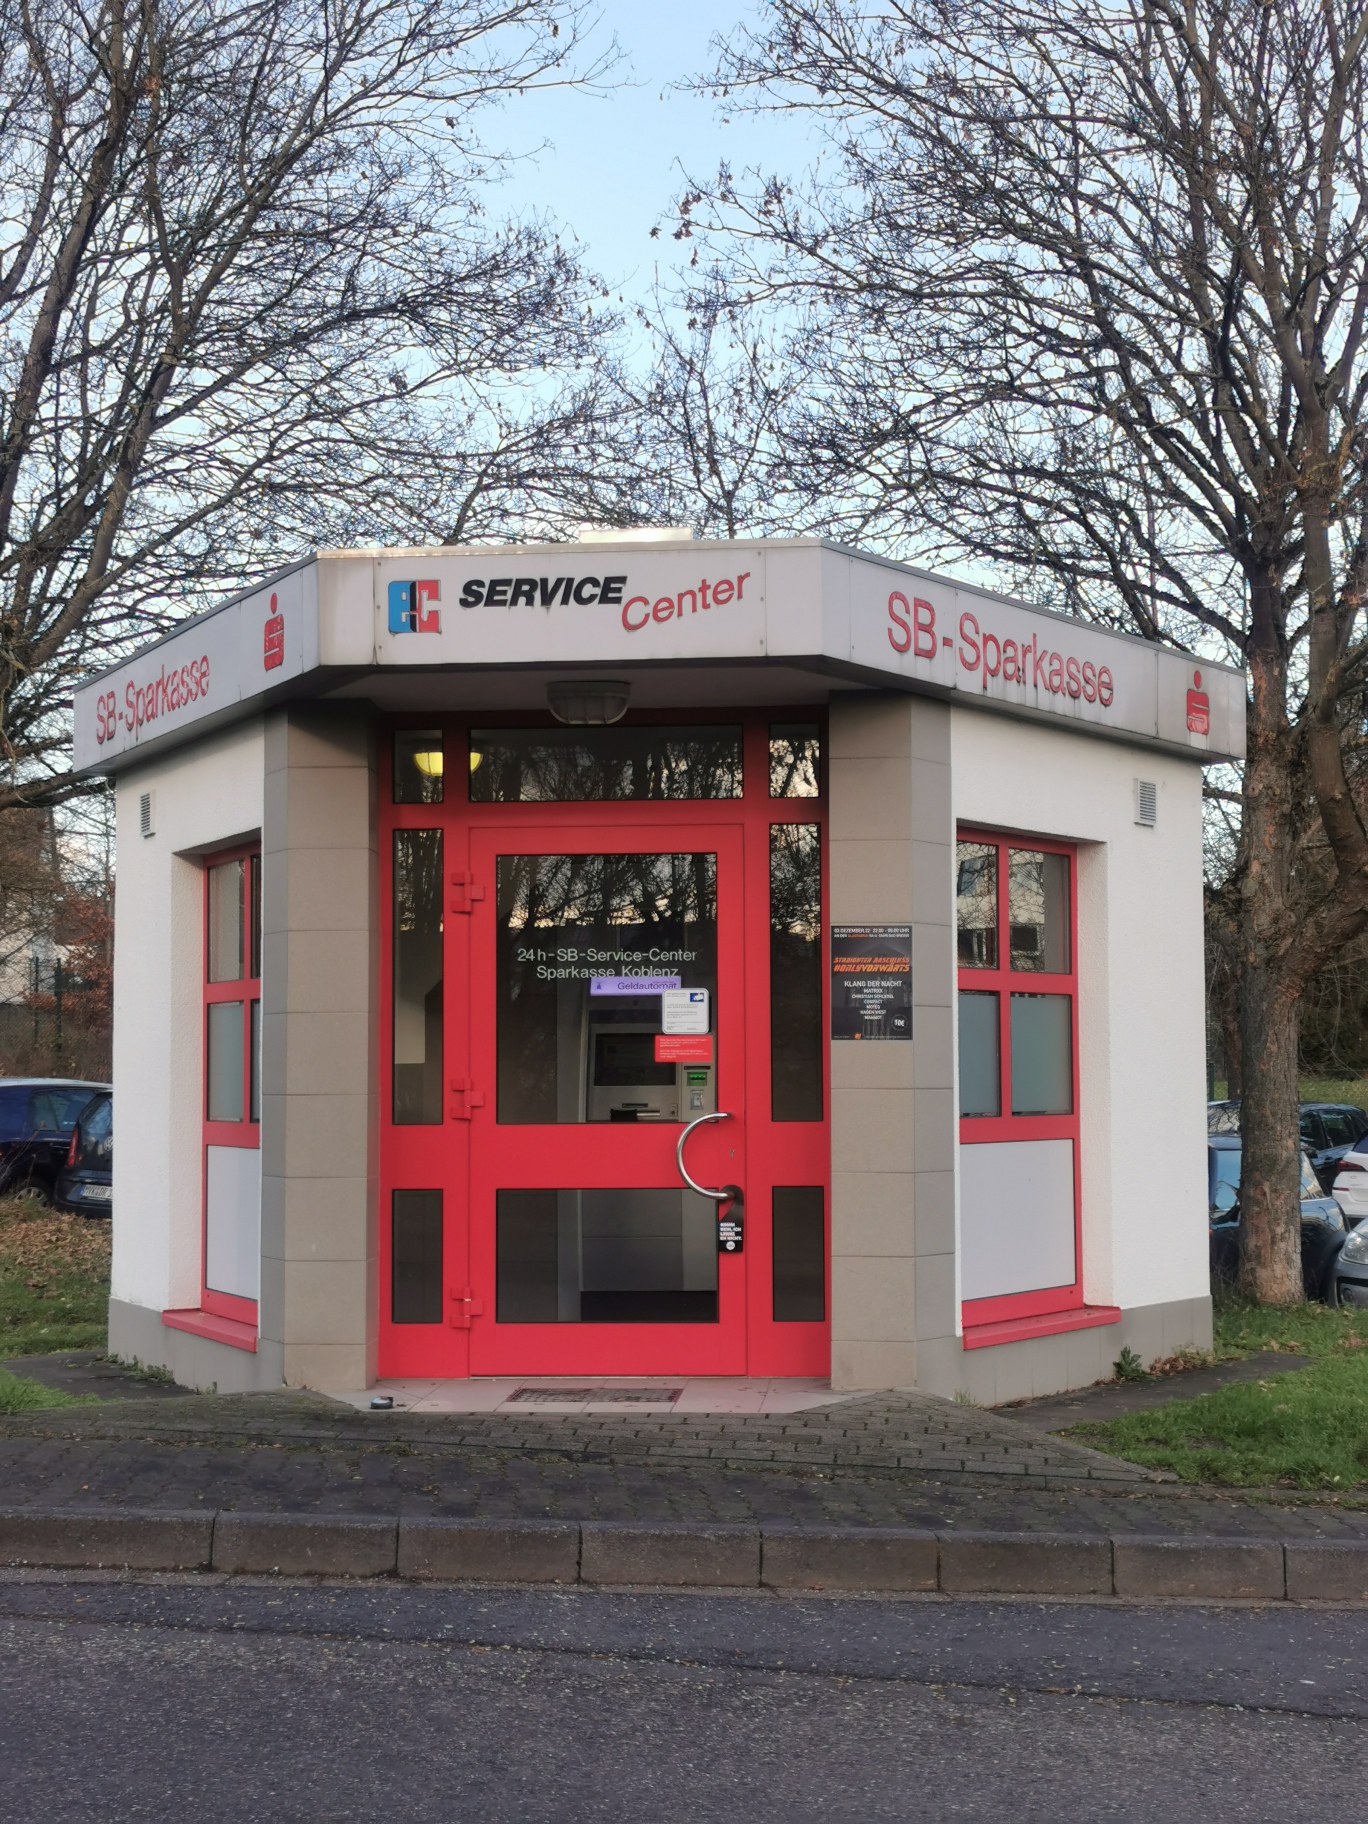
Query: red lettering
(1039, 655)
(1104, 686)
(991, 671)
(635, 626)
(741, 582)
(666, 602)
(968, 633)
(902, 640)
(722, 592)
(1075, 682)
(1009, 661)
(1089, 683)
(693, 601)
(925, 619)
(1056, 673)
(703, 591)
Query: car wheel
(33, 1193)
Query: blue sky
(614, 162)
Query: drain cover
(598, 1396)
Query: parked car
(1348, 1283)
(1351, 1185)
(37, 1115)
(1328, 1131)
(85, 1184)
(1322, 1225)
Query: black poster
(871, 981)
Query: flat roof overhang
(688, 624)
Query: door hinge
(465, 1099)
(465, 1306)
(464, 893)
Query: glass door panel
(606, 1012)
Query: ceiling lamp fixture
(588, 702)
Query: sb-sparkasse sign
(800, 603)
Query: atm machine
(624, 1082)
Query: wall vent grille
(1146, 802)
(147, 813)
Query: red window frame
(1011, 1308)
(247, 1132)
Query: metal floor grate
(597, 1396)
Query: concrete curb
(705, 1556)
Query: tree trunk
(1270, 1166)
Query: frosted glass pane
(232, 1220)
(1042, 1055)
(1016, 1217)
(224, 1100)
(225, 921)
(978, 1055)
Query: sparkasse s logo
(411, 607)
(273, 638)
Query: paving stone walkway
(890, 1459)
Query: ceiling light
(588, 702)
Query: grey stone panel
(855, 1558)
(718, 1557)
(320, 1009)
(300, 1545)
(1025, 1564)
(1218, 1568)
(490, 1551)
(126, 1539)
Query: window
(418, 972)
(1017, 1008)
(795, 760)
(563, 765)
(796, 972)
(232, 1086)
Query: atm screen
(626, 1060)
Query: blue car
(85, 1185)
(37, 1115)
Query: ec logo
(411, 608)
(273, 638)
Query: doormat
(597, 1396)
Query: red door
(538, 1083)
(588, 1252)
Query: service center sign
(796, 601)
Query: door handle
(729, 1193)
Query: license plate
(98, 1193)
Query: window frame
(979, 1129)
(245, 1133)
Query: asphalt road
(167, 1698)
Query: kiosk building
(656, 957)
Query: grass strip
(19, 1394)
(54, 1281)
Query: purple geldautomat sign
(632, 984)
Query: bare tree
(1086, 298)
(244, 253)
(710, 415)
